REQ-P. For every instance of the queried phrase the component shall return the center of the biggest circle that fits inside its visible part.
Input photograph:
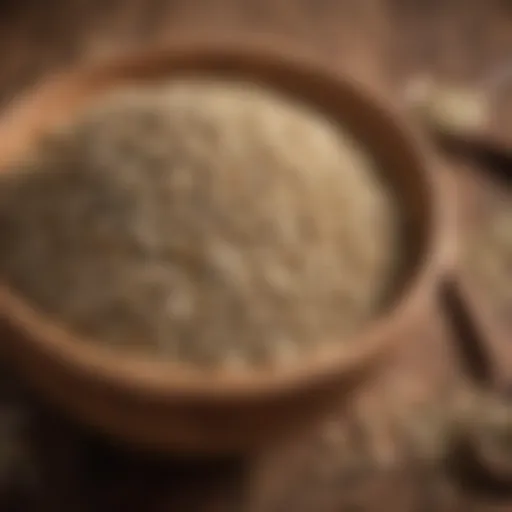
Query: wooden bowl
(166, 406)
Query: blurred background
(379, 455)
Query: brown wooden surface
(363, 458)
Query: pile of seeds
(209, 222)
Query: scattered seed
(451, 108)
(488, 257)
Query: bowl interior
(378, 129)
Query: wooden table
(359, 460)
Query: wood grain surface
(364, 458)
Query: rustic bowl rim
(149, 377)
